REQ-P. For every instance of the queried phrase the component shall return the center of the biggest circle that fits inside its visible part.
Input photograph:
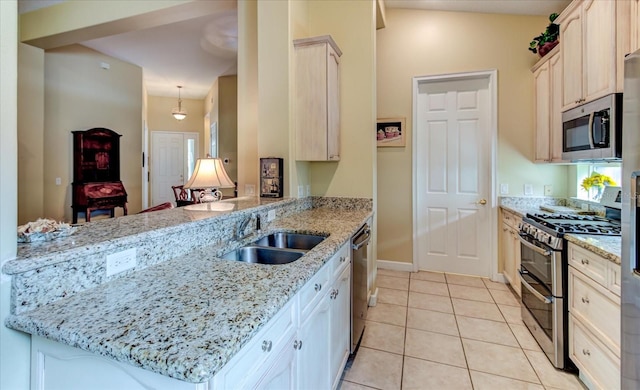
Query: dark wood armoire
(96, 172)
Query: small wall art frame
(390, 132)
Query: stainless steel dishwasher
(359, 304)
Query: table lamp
(209, 174)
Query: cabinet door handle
(266, 345)
(297, 344)
(342, 259)
(318, 287)
(586, 352)
(585, 261)
(585, 299)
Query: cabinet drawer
(593, 359)
(315, 289)
(596, 307)
(340, 260)
(511, 219)
(588, 263)
(261, 348)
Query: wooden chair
(182, 196)
(161, 206)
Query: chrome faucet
(240, 235)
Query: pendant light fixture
(179, 113)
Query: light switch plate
(249, 189)
(300, 191)
(504, 189)
(528, 189)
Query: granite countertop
(186, 317)
(609, 247)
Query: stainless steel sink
(290, 240)
(264, 255)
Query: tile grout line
(464, 352)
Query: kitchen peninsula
(183, 312)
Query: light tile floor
(444, 331)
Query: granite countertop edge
(170, 319)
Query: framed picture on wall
(390, 132)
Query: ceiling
(195, 52)
(517, 7)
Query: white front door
(453, 173)
(173, 157)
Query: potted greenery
(543, 43)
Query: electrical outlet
(308, 190)
(528, 189)
(548, 190)
(300, 191)
(504, 189)
(271, 215)
(249, 189)
(121, 261)
(58, 181)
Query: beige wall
(80, 95)
(418, 43)
(160, 118)
(352, 26)
(30, 133)
(247, 95)
(221, 104)
(14, 346)
(228, 127)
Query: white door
(453, 173)
(173, 157)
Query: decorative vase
(546, 48)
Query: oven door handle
(533, 290)
(533, 247)
(591, 130)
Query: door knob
(482, 202)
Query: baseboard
(372, 298)
(499, 278)
(395, 265)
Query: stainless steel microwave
(593, 131)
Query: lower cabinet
(281, 373)
(510, 248)
(313, 348)
(304, 346)
(594, 317)
(340, 326)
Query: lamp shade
(209, 173)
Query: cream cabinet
(595, 37)
(304, 346)
(594, 317)
(547, 76)
(317, 99)
(634, 25)
(510, 248)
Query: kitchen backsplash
(530, 201)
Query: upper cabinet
(547, 76)
(635, 25)
(595, 38)
(317, 104)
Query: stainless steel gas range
(543, 273)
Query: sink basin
(290, 240)
(263, 255)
